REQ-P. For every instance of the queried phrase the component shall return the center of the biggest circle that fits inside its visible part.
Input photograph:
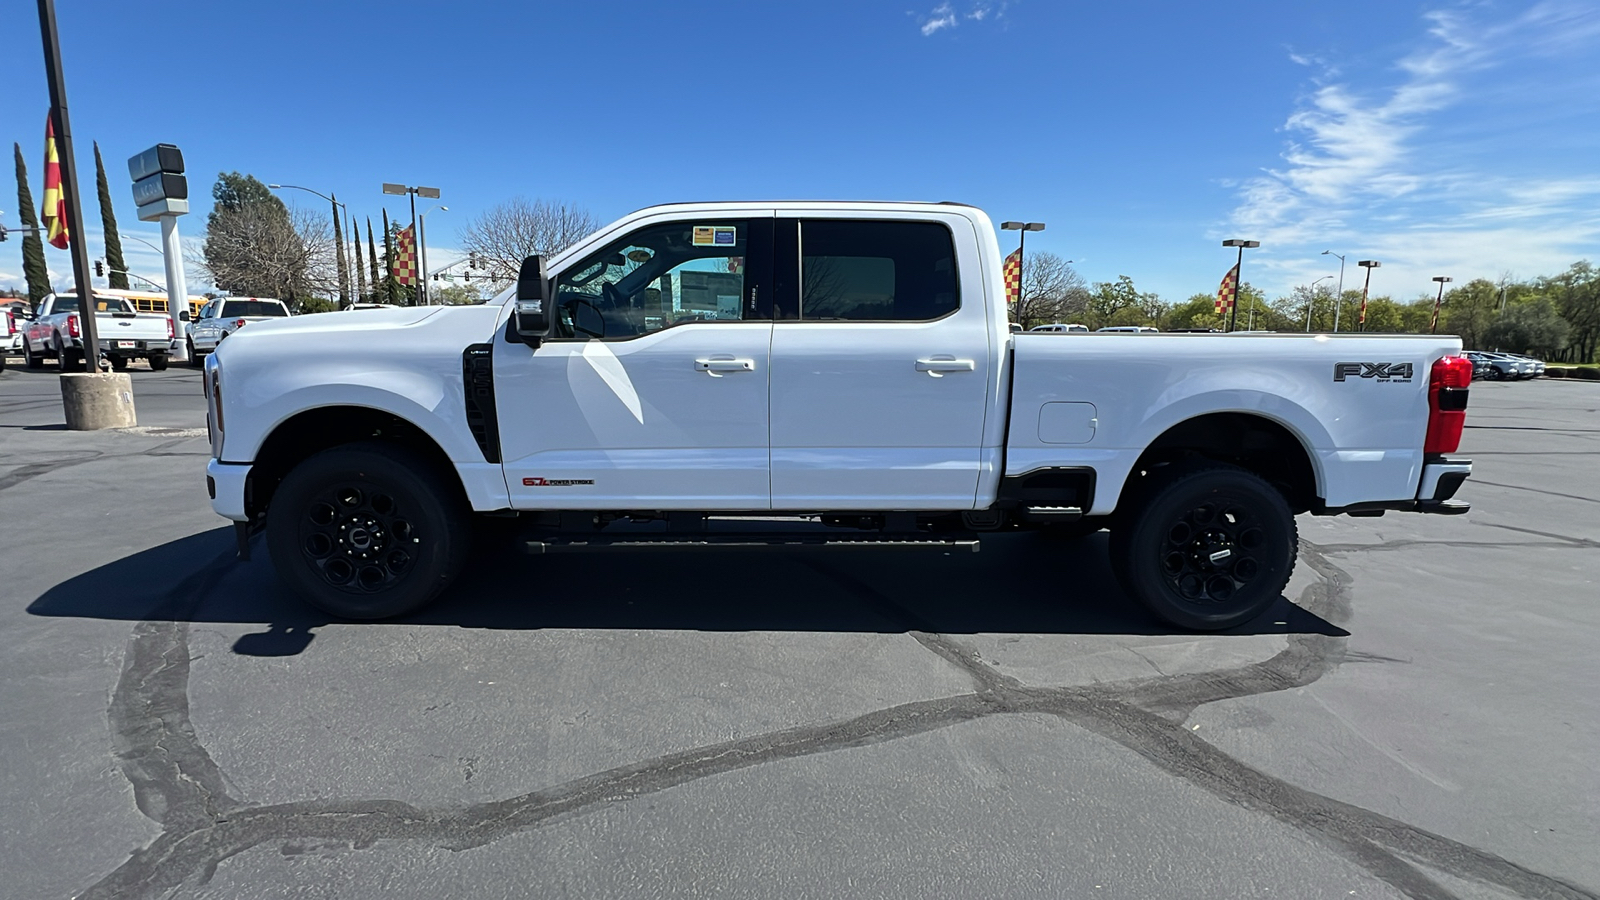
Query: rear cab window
(247, 308)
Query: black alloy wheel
(367, 531)
(1206, 546)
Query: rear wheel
(367, 531)
(194, 356)
(1207, 546)
(68, 360)
(28, 357)
(158, 363)
(119, 363)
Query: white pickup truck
(836, 374)
(124, 333)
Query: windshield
(101, 304)
(232, 308)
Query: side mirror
(183, 315)
(530, 318)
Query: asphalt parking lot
(1420, 721)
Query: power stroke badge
(1396, 372)
(555, 482)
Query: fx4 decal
(1398, 372)
(555, 482)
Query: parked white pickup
(845, 364)
(225, 315)
(123, 333)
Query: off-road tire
(367, 531)
(1166, 546)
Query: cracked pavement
(1419, 722)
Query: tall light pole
(1339, 304)
(1433, 327)
(422, 245)
(1238, 277)
(430, 193)
(1022, 241)
(351, 273)
(1311, 300)
(1369, 265)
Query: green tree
(34, 268)
(1576, 295)
(116, 269)
(1470, 310)
(1108, 300)
(372, 249)
(339, 258)
(454, 294)
(388, 260)
(1199, 311)
(255, 247)
(1532, 327)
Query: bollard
(94, 401)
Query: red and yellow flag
(1013, 275)
(54, 213)
(1229, 291)
(404, 267)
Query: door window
(661, 276)
(855, 270)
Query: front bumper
(227, 483)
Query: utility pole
(76, 240)
(1433, 327)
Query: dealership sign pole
(162, 194)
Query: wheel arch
(310, 431)
(1253, 440)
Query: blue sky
(1441, 138)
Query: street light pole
(428, 193)
(1433, 327)
(1369, 265)
(422, 246)
(1238, 278)
(1022, 229)
(1311, 300)
(1339, 304)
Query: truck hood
(365, 321)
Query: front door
(880, 366)
(652, 392)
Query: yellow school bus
(149, 301)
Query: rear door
(880, 364)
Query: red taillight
(238, 323)
(72, 325)
(1447, 403)
(170, 332)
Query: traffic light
(99, 269)
(2, 234)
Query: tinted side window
(660, 276)
(876, 271)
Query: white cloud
(1395, 168)
(946, 15)
(942, 17)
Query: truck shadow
(1018, 584)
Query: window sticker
(715, 235)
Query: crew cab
(124, 334)
(225, 315)
(835, 374)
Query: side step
(1053, 513)
(592, 543)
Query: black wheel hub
(1212, 551)
(357, 538)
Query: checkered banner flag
(405, 257)
(1229, 291)
(1013, 275)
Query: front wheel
(1208, 546)
(367, 531)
